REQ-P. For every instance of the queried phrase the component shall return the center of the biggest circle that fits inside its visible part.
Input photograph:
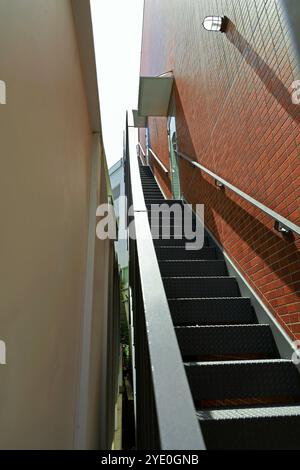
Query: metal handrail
(158, 161)
(177, 424)
(142, 150)
(284, 226)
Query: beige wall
(45, 143)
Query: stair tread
(243, 380)
(188, 260)
(180, 242)
(203, 286)
(231, 341)
(212, 326)
(194, 261)
(167, 202)
(249, 412)
(192, 268)
(188, 299)
(260, 362)
(251, 428)
(221, 327)
(167, 253)
(212, 311)
(200, 277)
(178, 248)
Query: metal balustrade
(165, 412)
(282, 224)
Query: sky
(117, 28)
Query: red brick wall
(235, 116)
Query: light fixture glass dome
(215, 23)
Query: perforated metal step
(169, 213)
(167, 232)
(167, 202)
(218, 330)
(234, 341)
(244, 380)
(149, 184)
(171, 222)
(159, 198)
(151, 189)
(193, 268)
(152, 194)
(172, 241)
(179, 253)
(149, 198)
(191, 287)
(256, 428)
(212, 311)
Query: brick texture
(236, 117)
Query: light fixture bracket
(281, 228)
(219, 185)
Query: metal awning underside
(139, 121)
(154, 96)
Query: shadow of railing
(198, 189)
(264, 72)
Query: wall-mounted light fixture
(215, 23)
(281, 228)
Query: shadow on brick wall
(264, 72)
(189, 175)
(277, 252)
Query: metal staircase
(245, 395)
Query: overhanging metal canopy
(154, 95)
(139, 121)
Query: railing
(165, 413)
(141, 153)
(281, 223)
(165, 170)
(143, 157)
